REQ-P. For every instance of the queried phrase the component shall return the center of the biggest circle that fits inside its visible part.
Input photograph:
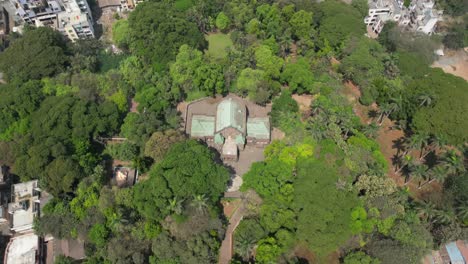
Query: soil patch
(304, 101)
(454, 62)
(230, 206)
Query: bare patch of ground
(230, 206)
(301, 251)
(454, 62)
(304, 101)
(277, 134)
(134, 106)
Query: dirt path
(227, 246)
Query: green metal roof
(258, 127)
(240, 140)
(231, 113)
(202, 126)
(219, 139)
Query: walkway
(227, 247)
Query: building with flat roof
(72, 18)
(24, 206)
(23, 249)
(229, 124)
(419, 16)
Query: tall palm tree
(453, 162)
(199, 202)
(244, 246)
(419, 141)
(175, 206)
(426, 210)
(425, 99)
(385, 110)
(371, 130)
(462, 211)
(443, 217)
(405, 160)
(437, 142)
(418, 172)
(437, 173)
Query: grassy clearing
(218, 43)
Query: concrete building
(419, 16)
(228, 124)
(71, 17)
(23, 249)
(24, 206)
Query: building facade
(420, 16)
(70, 17)
(24, 206)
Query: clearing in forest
(218, 44)
(388, 136)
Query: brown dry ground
(230, 206)
(454, 62)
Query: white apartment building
(24, 206)
(71, 17)
(420, 16)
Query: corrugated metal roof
(231, 113)
(202, 126)
(258, 127)
(454, 253)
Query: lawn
(218, 43)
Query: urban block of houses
(228, 124)
(70, 17)
(420, 16)
(25, 247)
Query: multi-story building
(24, 206)
(419, 16)
(71, 17)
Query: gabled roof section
(231, 113)
(202, 126)
(258, 127)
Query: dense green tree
(39, 53)
(301, 24)
(283, 110)
(60, 176)
(338, 21)
(121, 33)
(323, 226)
(390, 251)
(363, 62)
(359, 257)
(445, 117)
(268, 62)
(17, 103)
(247, 234)
(222, 21)
(186, 170)
(299, 76)
(249, 80)
(159, 143)
(157, 30)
